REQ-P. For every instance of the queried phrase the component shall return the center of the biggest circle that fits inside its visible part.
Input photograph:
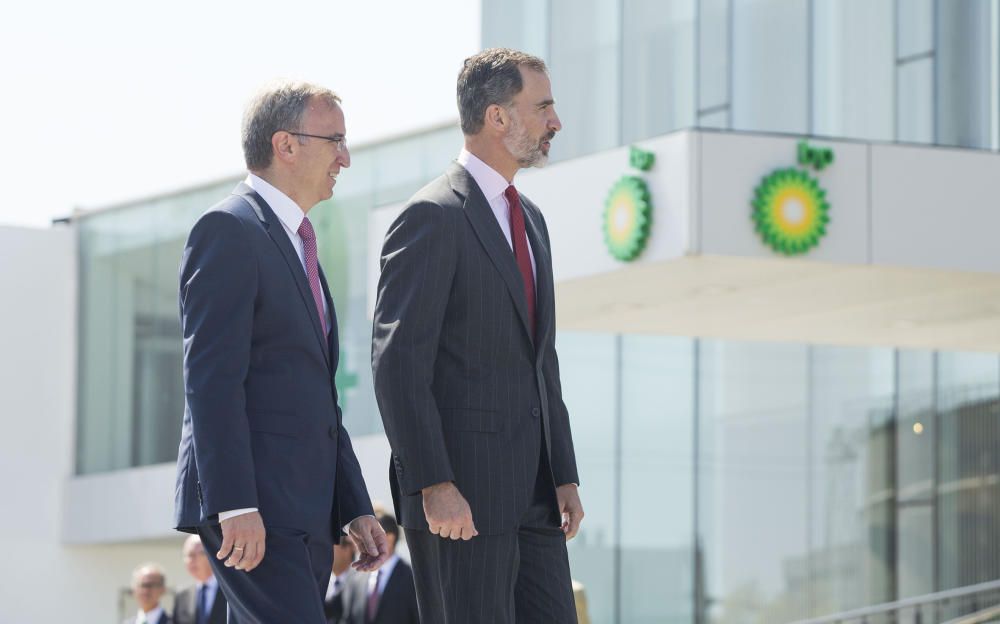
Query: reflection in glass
(853, 68)
(584, 59)
(915, 102)
(770, 69)
(657, 67)
(963, 79)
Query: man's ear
(284, 146)
(496, 118)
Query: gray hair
(278, 106)
(155, 568)
(491, 77)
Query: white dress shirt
(382, 575)
(493, 185)
(152, 617)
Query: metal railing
(963, 605)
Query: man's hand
(447, 512)
(242, 541)
(373, 547)
(570, 508)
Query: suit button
(333, 432)
(535, 412)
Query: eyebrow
(545, 103)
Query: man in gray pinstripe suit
(483, 471)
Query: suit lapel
(544, 306)
(484, 222)
(333, 339)
(280, 238)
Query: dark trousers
(522, 576)
(287, 586)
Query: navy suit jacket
(261, 427)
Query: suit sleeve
(563, 454)
(352, 500)
(418, 266)
(218, 286)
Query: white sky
(110, 100)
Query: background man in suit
(388, 595)
(264, 459)
(148, 585)
(465, 367)
(333, 602)
(201, 603)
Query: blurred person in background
(201, 603)
(387, 596)
(333, 602)
(148, 586)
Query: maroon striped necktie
(308, 236)
(519, 238)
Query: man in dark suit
(201, 603)
(148, 585)
(483, 470)
(387, 596)
(264, 459)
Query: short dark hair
(277, 106)
(388, 522)
(491, 77)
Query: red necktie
(519, 238)
(308, 236)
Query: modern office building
(774, 229)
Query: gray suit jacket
(467, 392)
(186, 607)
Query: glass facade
(920, 71)
(734, 481)
(130, 374)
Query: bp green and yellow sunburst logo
(627, 216)
(790, 211)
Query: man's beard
(525, 149)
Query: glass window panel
(717, 119)
(585, 59)
(753, 463)
(713, 53)
(968, 393)
(851, 403)
(915, 33)
(853, 68)
(770, 65)
(657, 67)
(657, 482)
(589, 372)
(963, 79)
(915, 103)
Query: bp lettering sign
(790, 210)
(628, 211)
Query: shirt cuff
(352, 521)
(226, 515)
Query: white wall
(41, 579)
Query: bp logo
(628, 211)
(790, 211)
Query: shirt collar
(151, 616)
(490, 182)
(288, 211)
(212, 582)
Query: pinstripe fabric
(467, 393)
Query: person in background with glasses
(148, 585)
(201, 603)
(266, 472)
